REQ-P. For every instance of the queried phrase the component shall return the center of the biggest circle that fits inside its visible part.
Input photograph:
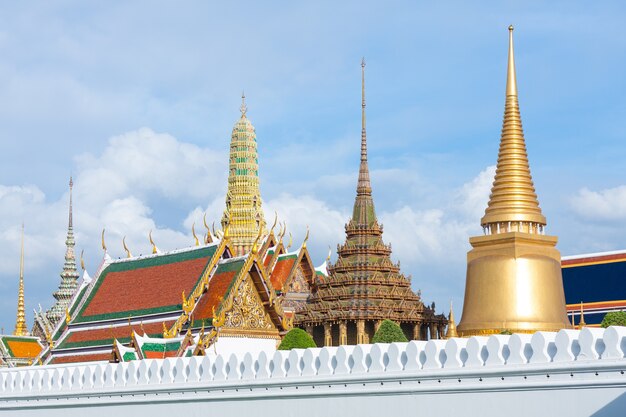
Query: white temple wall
(226, 345)
(574, 373)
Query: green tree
(614, 318)
(389, 332)
(296, 339)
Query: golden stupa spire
(513, 204)
(451, 332)
(20, 321)
(513, 279)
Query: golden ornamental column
(360, 332)
(343, 333)
(328, 336)
(417, 331)
(513, 277)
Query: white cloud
(603, 205)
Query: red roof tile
(92, 357)
(281, 271)
(219, 284)
(105, 336)
(145, 285)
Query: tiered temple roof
(364, 284)
(200, 291)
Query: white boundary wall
(580, 373)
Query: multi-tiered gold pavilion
(364, 287)
(514, 271)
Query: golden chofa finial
(290, 241)
(227, 228)
(255, 245)
(209, 237)
(283, 230)
(154, 248)
(275, 221)
(82, 260)
(243, 109)
(193, 232)
(104, 246)
(306, 237)
(128, 254)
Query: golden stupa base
(513, 284)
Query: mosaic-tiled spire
(364, 284)
(69, 274)
(243, 198)
(20, 321)
(363, 231)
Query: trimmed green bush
(389, 332)
(296, 339)
(614, 318)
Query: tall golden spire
(451, 332)
(20, 321)
(243, 213)
(513, 203)
(513, 277)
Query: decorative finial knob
(511, 28)
(363, 62)
(71, 182)
(243, 107)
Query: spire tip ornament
(243, 109)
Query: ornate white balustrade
(590, 358)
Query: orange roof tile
(281, 271)
(145, 285)
(105, 336)
(22, 347)
(219, 285)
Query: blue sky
(137, 100)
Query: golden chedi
(514, 271)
